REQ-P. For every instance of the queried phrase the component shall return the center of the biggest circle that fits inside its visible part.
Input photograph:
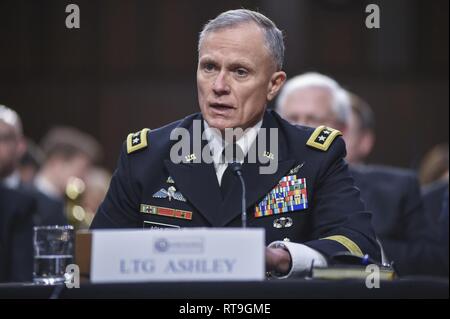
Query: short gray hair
(341, 105)
(10, 117)
(232, 18)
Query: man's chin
(220, 123)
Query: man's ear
(276, 82)
(367, 143)
(21, 146)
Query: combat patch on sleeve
(137, 141)
(322, 137)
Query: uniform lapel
(198, 182)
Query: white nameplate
(190, 254)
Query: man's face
(10, 150)
(310, 106)
(64, 168)
(236, 76)
(359, 142)
(77, 166)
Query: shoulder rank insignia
(137, 141)
(322, 137)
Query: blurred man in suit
(392, 194)
(16, 206)
(12, 147)
(434, 174)
(30, 163)
(16, 235)
(434, 166)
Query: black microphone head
(236, 167)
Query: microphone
(236, 167)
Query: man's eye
(241, 72)
(208, 67)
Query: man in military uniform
(307, 204)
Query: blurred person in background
(392, 194)
(16, 235)
(360, 135)
(389, 190)
(30, 162)
(12, 147)
(97, 184)
(90, 196)
(434, 178)
(313, 99)
(434, 165)
(69, 156)
(17, 206)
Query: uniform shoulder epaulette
(137, 141)
(322, 137)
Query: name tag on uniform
(289, 195)
(155, 225)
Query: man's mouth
(221, 107)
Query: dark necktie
(231, 153)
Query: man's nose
(220, 85)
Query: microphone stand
(237, 169)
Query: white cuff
(302, 257)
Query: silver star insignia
(326, 132)
(171, 192)
(322, 138)
(135, 140)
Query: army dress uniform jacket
(310, 199)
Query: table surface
(414, 287)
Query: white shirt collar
(217, 143)
(46, 187)
(12, 181)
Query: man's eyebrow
(233, 65)
(240, 64)
(207, 60)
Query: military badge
(269, 155)
(170, 193)
(295, 170)
(170, 180)
(190, 158)
(166, 211)
(283, 222)
(289, 195)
